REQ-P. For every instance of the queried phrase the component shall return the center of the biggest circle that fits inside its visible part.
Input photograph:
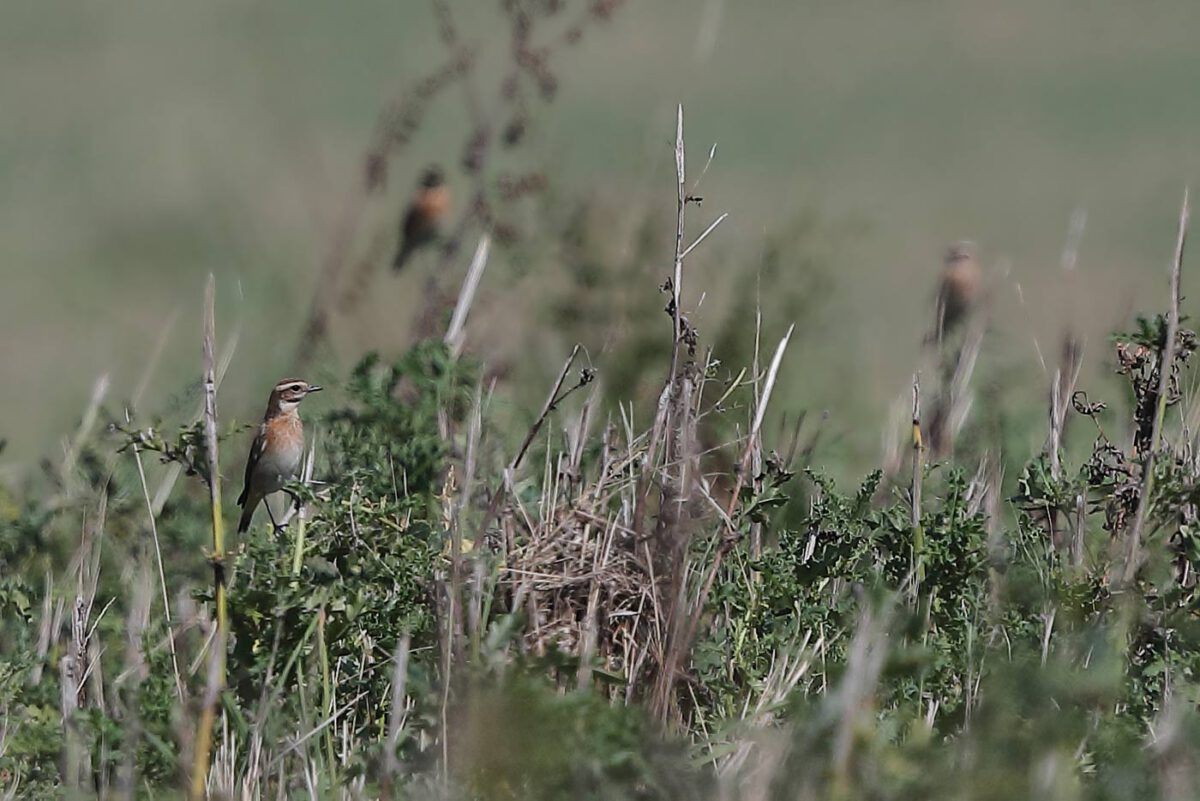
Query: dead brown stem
(1166, 368)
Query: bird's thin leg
(295, 507)
(278, 528)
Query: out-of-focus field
(142, 146)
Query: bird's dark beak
(314, 388)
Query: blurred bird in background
(962, 282)
(954, 345)
(277, 450)
(423, 216)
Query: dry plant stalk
(693, 608)
(216, 673)
(1134, 542)
(175, 469)
(787, 669)
(1070, 355)
(396, 717)
(79, 663)
(162, 578)
(677, 277)
(864, 663)
(754, 441)
(455, 332)
(918, 468)
(136, 672)
(675, 428)
(952, 401)
(86, 424)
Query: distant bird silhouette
(962, 281)
(423, 216)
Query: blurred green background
(144, 145)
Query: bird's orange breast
(283, 450)
(963, 280)
(433, 203)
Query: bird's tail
(402, 253)
(248, 508)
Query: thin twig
(391, 763)
(454, 333)
(1132, 554)
(704, 235)
(759, 414)
(162, 578)
(86, 423)
(552, 400)
(320, 727)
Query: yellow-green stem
(216, 678)
(298, 556)
(326, 687)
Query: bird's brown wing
(414, 223)
(416, 230)
(256, 450)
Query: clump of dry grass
(596, 565)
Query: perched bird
(962, 280)
(277, 450)
(423, 217)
